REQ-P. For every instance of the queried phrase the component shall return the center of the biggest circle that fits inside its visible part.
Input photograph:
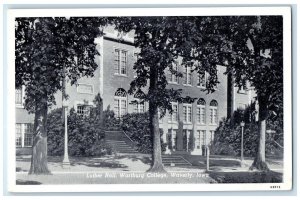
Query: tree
(162, 40)
(46, 51)
(256, 55)
(249, 46)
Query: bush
(136, 126)
(85, 133)
(227, 140)
(111, 123)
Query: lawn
(117, 169)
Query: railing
(186, 160)
(128, 137)
(132, 143)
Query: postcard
(149, 99)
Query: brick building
(199, 119)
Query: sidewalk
(132, 169)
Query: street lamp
(65, 104)
(242, 143)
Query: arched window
(201, 102)
(121, 93)
(201, 111)
(214, 103)
(213, 112)
(139, 105)
(120, 102)
(187, 109)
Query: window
(24, 135)
(139, 108)
(213, 115)
(174, 116)
(135, 57)
(187, 113)
(187, 76)
(120, 103)
(18, 135)
(172, 139)
(28, 135)
(85, 88)
(83, 109)
(120, 61)
(186, 139)
(139, 105)
(18, 97)
(242, 90)
(200, 139)
(242, 106)
(217, 81)
(212, 136)
(201, 111)
(201, 80)
(173, 78)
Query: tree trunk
(39, 147)
(260, 159)
(157, 165)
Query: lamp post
(66, 162)
(242, 143)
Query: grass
(246, 177)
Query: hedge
(85, 133)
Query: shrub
(85, 133)
(136, 126)
(110, 122)
(227, 140)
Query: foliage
(49, 50)
(251, 47)
(136, 126)
(85, 133)
(227, 140)
(45, 45)
(110, 122)
(162, 41)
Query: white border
(285, 11)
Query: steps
(119, 142)
(120, 146)
(123, 144)
(174, 160)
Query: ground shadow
(24, 182)
(146, 159)
(246, 177)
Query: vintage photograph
(163, 99)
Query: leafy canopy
(162, 42)
(44, 46)
(250, 47)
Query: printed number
(275, 187)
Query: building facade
(188, 129)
